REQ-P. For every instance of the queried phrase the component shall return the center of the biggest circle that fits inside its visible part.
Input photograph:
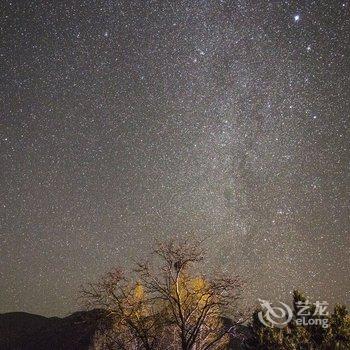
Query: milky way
(122, 122)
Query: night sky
(122, 122)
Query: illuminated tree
(195, 303)
(169, 304)
(129, 314)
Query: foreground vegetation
(168, 302)
(330, 334)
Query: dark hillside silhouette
(24, 331)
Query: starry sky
(122, 122)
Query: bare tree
(169, 304)
(129, 315)
(195, 302)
